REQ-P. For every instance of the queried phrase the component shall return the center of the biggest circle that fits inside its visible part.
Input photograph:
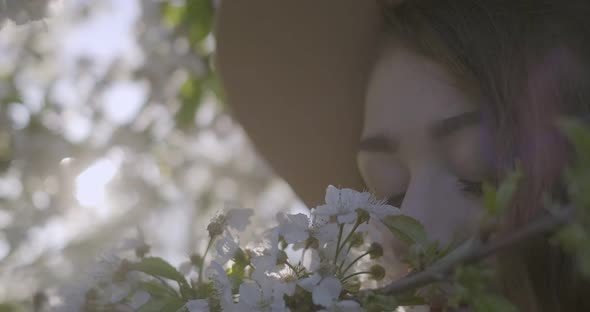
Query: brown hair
(528, 61)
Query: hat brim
(294, 73)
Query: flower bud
(312, 243)
(142, 250)
(363, 216)
(357, 239)
(215, 229)
(377, 272)
(352, 285)
(375, 251)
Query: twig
(474, 251)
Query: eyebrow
(378, 143)
(448, 126)
(441, 129)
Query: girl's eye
(471, 187)
(396, 200)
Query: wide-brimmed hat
(294, 73)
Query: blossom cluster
(308, 262)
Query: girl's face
(421, 144)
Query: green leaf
(584, 260)
(214, 85)
(200, 14)
(410, 300)
(489, 199)
(497, 200)
(172, 14)
(492, 303)
(579, 135)
(472, 286)
(162, 305)
(158, 267)
(196, 16)
(507, 190)
(237, 271)
(378, 303)
(432, 253)
(157, 289)
(575, 239)
(406, 228)
(8, 307)
(190, 98)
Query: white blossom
(297, 229)
(139, 298)
(326, 292)
(226, 248)
(294, 227)
(235, 218)
(310, 282)
(264, 255)
(270, 280)
(262, 296)
(222, 285)
(342, 204)
(379, 209)
(102, 273)
(286, 281)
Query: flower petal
(326, 292)
(309, 283)
(347, 218)
(239, 218)
(249, 294)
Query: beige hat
(294, 72)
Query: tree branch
(474, 250)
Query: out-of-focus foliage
(575, 238)
(111, 118)
(23, 11)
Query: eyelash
(470, 187)
(396, 200)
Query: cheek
(382, 175)
(465, 154)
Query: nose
(433, 199)
(430, 198)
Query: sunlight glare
(91, 183)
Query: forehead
(408, 92)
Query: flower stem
(353, 275)
(292, 268)
(342, 272)
(338, 246)
(347, 252)
(209, 244)
(341, 229)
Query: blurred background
(112, 121)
